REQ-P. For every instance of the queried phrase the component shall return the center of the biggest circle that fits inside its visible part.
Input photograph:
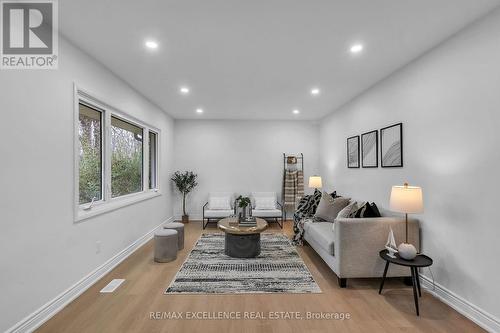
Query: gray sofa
(350, 247)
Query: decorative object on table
(279, 269)
(185, 183)
(244, 204)
(293, 180)
(315, 182)
(391, 146)
(419, 261)
(391, 246)
(369, 149)
(353, 152)
(408, 200)
(248, 221)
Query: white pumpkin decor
(407, 251)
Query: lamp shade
(406, 199)
(315, 182)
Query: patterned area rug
(278, 269)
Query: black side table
(420, 260)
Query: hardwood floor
(128, 308)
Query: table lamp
(408, 200)
(315, 182)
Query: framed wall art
(391, 146)
(353, 152)
(369, 149)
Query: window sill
(114, 204)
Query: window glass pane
(152, 160)
(126, 160)
(90, 153)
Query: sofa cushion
(219, 203)
(329, 208)
(366, 211)
(349, 210)
(254, 195)
(215, 213)
(375, 209)
(266, 212)
(322, 233)
(265, 203)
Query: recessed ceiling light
(296, 111)
(315, 91)
(199, 110)
(356, 48)
(151, 44)
(184, 90)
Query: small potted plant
(243, 203)
(185, 183)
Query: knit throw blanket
(293, 186)
(305, 211)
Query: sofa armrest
(358, 242)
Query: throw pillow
(375, 210)
(219, 203)
(365, 211)
(348, 210)
(329, 208)
(265, 203)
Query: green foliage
(90, 160)
(185, 183)
(126, 173)
(243, 202)
(126, 161)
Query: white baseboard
(47, 311)
(469, 310)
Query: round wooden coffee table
(241, 242)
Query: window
(116, 158)
(126, 161)
(90, 154)
(153, 144)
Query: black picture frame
(374, 162)
(353, 140)
(391, 153)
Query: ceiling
(259, 59)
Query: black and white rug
(278, 269)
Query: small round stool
(180, 232)
(165, 245)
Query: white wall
(42, 252)
(449, 102)
(240, 156)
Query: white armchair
(218, 206)
(265, 205)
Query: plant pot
(185, 218)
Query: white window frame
(107, 203)
(157, 160)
